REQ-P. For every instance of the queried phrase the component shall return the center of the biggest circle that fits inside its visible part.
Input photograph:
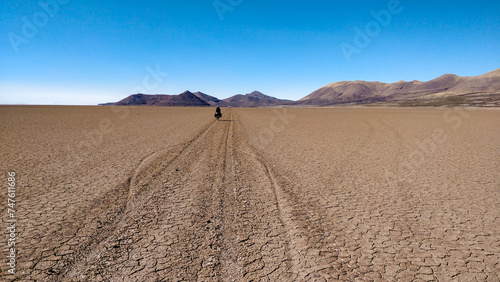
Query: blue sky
(89, 52)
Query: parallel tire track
(310, 255)
(115, 203)
(211, 209)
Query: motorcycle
(218, 115)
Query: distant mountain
(448, 89)
(185, 99)
(254, 99)
(213, 101)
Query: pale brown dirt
(169, 194)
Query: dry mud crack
(210, 209)
(314, 205)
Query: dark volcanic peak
(254, 99)
(214, 101)
(185, 99)
(256, 93)
(135, 99)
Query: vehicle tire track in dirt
(255, 245)
(306, 259)
(347, 238)
(311, 255)
(185, 214)
(213, 209)
(145, 175)
(219, 208)
(81, 232)
(165, 157)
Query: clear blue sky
(89, 52)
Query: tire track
(130, 189)
(310, 256)
(172, 211)
(99, 219)
(229, 252)
(212, 209)
(216, 208)
(162, 159)
(254, 238)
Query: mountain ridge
(447, 89)
(185, 99)
(254, 99)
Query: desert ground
(284, 194)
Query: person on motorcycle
(218, 114)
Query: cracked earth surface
(262, 195)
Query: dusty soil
(149, 194)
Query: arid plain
(284, 194)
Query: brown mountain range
(185, 99)
(254, 99)
(448, 89)
(211, 100)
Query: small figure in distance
(218, 114)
